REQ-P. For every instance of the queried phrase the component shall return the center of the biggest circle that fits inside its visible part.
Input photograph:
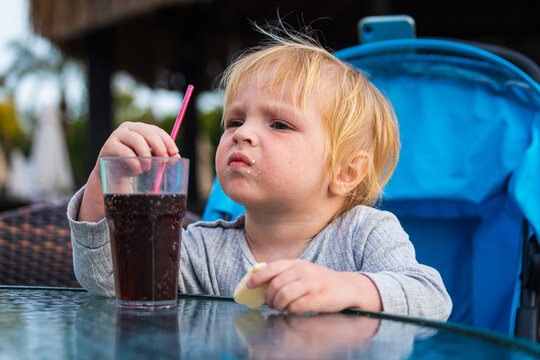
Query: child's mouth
(238, 161)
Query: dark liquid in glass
(145, 232)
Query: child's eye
(280, 125)
(233, 123)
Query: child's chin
(246, 200)
(235, 191)
(241, 199)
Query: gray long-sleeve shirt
(214, 256)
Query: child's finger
(268, 272)
(280, 281)
(125, 142)
(157, 139)
(301, 304)
(156, 142)
(287, 294)
(169, 143)
(115, 147)
(278, 292)
(136, 132)
(135, 141)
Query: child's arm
(129, 139)
(300, 286)
(389, 277)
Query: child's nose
(245, 133)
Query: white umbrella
(18, 184)
(52, 177)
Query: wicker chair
(35, 246)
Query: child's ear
(350, 173)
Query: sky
(13, 26)
(36, 93)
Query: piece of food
(253, 298)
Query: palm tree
(27, 61)
(30, 63)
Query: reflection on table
(66, 324)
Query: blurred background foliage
(17, 126)
(11, 132)
(210, 126)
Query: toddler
(308, 145)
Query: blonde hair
(356, 116)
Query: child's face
(271, 154)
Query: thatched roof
(62, 20)
(153, 39)
(163, 39)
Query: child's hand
(300, 286)
(138, 139)
(129, 139)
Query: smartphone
(387, 27)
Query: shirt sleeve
(193, 262)
(405, 286)
(92, 260)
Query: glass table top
(46, 323)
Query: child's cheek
(221, 153)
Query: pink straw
(174, 132)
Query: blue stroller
(466, 188)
